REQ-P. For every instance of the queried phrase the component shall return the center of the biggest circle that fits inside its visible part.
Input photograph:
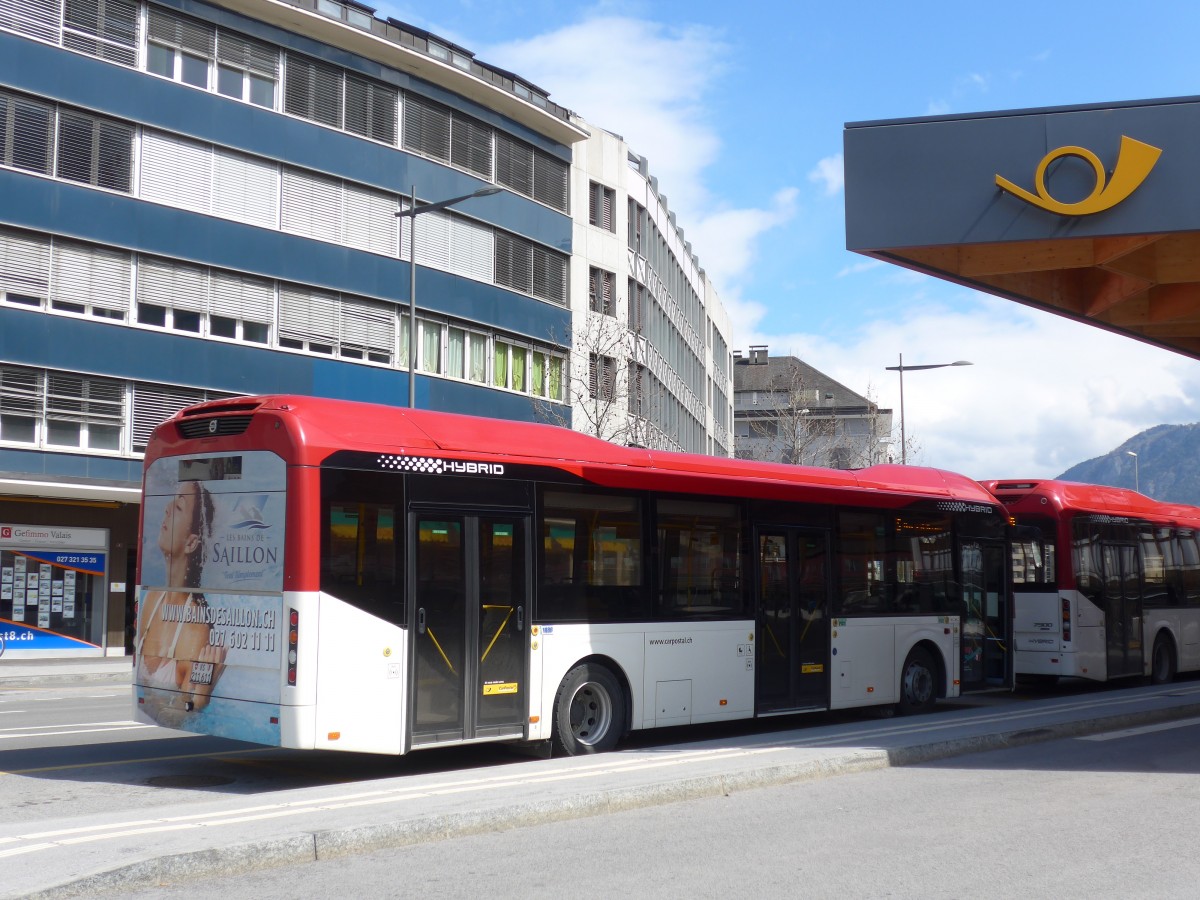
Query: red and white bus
(327, 574)
(1114, 588)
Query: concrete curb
(342, 842)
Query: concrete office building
(650, 336)
(199, 201)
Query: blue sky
(740, 110)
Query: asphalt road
(1107, 815)
(93, 803)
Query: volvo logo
(1134, 162)
(212, 426)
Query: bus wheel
(918, 683)
(1162, 662)
(589, 711)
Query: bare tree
(789, 424)
(608, 392)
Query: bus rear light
(274, 720)
(1066, 619)
(293, 644)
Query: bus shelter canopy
(1087, 212)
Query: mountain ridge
(1166, 466)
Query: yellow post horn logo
(1134, 162)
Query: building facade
(200, 201)
(787, 411)
(652, 365)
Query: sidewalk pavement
(78, 670)
(176, 838)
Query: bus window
(591, 558)
(923, 565)
(699, 559)
(862, 542)
(1189, 566)
(1157, 557)
(1032, 564)
(360, 560)
(1085, 558)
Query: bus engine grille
(216, 426)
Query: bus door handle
(520, 619)
(421, 620)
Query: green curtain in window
(500, 365)
(518, 368)
(537, 373)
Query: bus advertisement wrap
(236, 516)
(240, 639)
(210, 612)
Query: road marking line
(1145, 729)
(34, 734)
(75, 725)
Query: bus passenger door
(1122, 609)
(793, 619)
(986, 624)
(470, 584)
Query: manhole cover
(188, 781)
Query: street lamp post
(1136, 485)
(902, 368)
(411, 214)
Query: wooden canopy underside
(1145, 286)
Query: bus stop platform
(154, 837)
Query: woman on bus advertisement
(174, 649)
(210, 624)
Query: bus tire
(1162, 661)
(589, 711)
(918, 683)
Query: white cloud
(859, 268)
(649, 85)
(1043, 393)
(729, 237)
(830, 173)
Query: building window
(447, 136)
(196, 53)
(89, 280)
(107, 29)
(247, 69)
(199, 300)
(601, 291)
(94, 150)
(180, 48)
(601, 377)
(20, 404)
(636, 298)
(26, 133)
(313, 90)
(334, 325)
(601, 201)
(61, 409)
(371, 109)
